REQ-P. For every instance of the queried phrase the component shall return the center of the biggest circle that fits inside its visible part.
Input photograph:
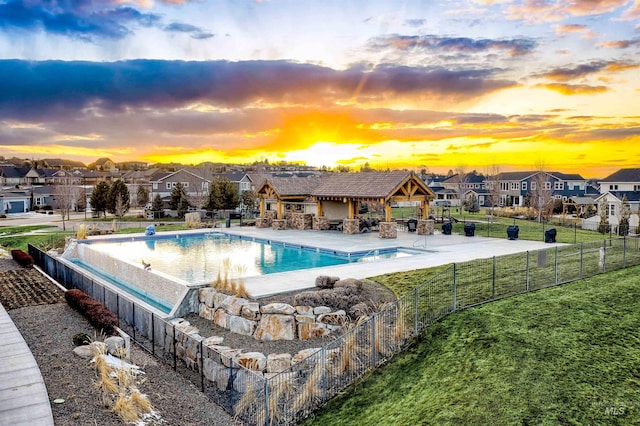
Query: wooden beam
(320, 212)
(279, 212)
(351, 209)
(262, 202)
(387, 212)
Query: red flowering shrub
(97, 314)
(24, 259)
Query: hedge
(97, 314)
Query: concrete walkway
(23, 395)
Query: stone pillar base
(321, 223)
(351, 226)
(279, 225)
(302, 221)
(388, 230)
(263, 222)
(425, 227)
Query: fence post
(493, 289)
(604, 255)
(624, 251)
(415, 319)
(133, 326)
(526, 272)
(581, 258)
(175, 367)
(153, 335)
(201, 366)
(455, 290)
(373, 340)
(324, 375)
(266, 401)
(556, 265)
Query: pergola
(580, 204)
(348, 189)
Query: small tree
(223, 195)
(118, 201)
(98, 200)
(625, 215)
(471, 204)
(66, 193)
(178, 199)
(603, 226)
(248, 200)
(157, 207)
(142, 195)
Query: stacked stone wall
(388, 230)
(351, 226)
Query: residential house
(458, 190)
(614, 188)
(196, 186)
(15, 200)
(516, 187)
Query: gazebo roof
(367, 185)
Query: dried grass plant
(141, 401)
(81, 233)
(310, 395)
(125, 409)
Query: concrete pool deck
(439, 250)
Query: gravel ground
(48, 329)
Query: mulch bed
(23, 287)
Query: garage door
(15, 207)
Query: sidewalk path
(23, 395)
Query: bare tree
(492, 182)
(66, 192)
(461, 182)
(541, 192)
(199, 181)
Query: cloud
(40, 88)
(416, 23)
(195, 32)
(574, 89)
(82, 20)
(585, 70)
(544, 11)
(575, 28)
(513, 47)
(620, 44)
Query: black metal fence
(289, 396)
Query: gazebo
(338, 196)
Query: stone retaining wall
(279, 224)
(222, 364)
(275, 321)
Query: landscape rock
(241, 325)
(206, 296)
(251, 311)
(221, 318)
(305, 319)
(278, 308)
(276, 327)
(206, 312)
(233, 305)
(304, 354)
(304, 310)
(334, 318)
(115, 345)
(312, 330)
(213, 341)
(321, 310)
(323, 281)
(255, 361)
(229, 356)
(278, 362)
(83, 351)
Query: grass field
(563, 355)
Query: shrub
(24, 259)
(336, 298)
(97, 314)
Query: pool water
(204, 258)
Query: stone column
(351, 226)
(388, 230)
(263, 222)
(425, 227)
(279, 225)
(321, 223)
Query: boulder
(241, 325)
(206, 295)
(115, 345)
(221, 318)
(321, 310)
(83, 351)
(251, 311)
(305, 319)
(223, 376)
(219, 299)
(304, 310)
(304, 354)
(255, 361)
(243, 380)
(233, 305)
(278, 362)
(278, 308)
(228, 356)
(213, 341)
(324, 281)
(312, 330)
(276, 327)
(206, 312)
(211, 368)
(334, 318)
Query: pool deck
(439, 250)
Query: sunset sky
(412, 84)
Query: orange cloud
(575, 29)
(574, 89)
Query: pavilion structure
(320, 201)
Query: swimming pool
(203, 258)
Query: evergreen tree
(157, 207)
(223, 195)
(625, 215)
(603, 226)
(178, 199)
(142, 194)
(118, 198)
(98, 200)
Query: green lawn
(563, 355)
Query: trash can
(446, 228)
(469, 229)
(550, 235)
(228, 222)
(512, 232)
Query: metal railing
(289, 396)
